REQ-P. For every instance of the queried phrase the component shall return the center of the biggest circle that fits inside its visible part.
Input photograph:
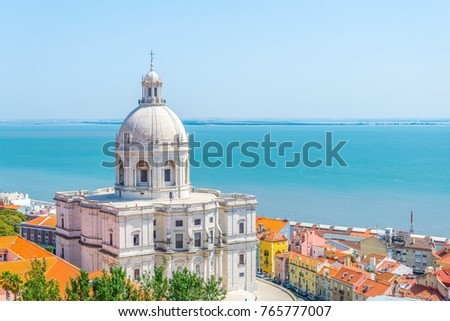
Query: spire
(151, 60)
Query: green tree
(11, 282)
(156, 287)
(10, 222)
(78, 289)
(185, 286)
(188, 286)
(114, 286)
(37, 287)
(5, 282)
(214, 290)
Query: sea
(385, 169)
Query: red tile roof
(444, 276)
(350, 275)
(26, 251)
(47, 220)
(270, 224)
(371, 288)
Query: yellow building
(373, 245)
(273, 235)
(303, 272)
(270, 244)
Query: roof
(341, 237)
(271, 224)
(26, 251)
(331, 271)
(47, 221)
(444, 276)
(283, 255)
(421, 243)
(152, 124)
(423, 293)
(350, 275)
(95, 274)
(271, 236)
(378, 258)
(443, 255)
(22, 248)
(371, 288)
(8, 206)
(386, 277)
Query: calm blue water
(392, 170)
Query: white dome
(152, 124)
(152, 76)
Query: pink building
(282, 266)
(303, 240)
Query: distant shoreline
(243, 122)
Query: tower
(152, 148)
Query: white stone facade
(153, 214)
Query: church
(152, 214)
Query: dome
(152, 124)
(152, 76)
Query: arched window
(169, 173)
(143, 174)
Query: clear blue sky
(227, 59)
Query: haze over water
(392, 170)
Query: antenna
(411, 223)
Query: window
(156, 91)
(241, 227)
(178, 223)
(137, 274)
(46, 237)
(178, 241)
(62, 252)
(197, 221)
(167, 175)
(241, 259)
(197, 269)
(154, 222)
(211, 219)
(149, 91)
(144, 176)
(110, 239)
(241, 275)
(143, 173)
(154, 234)
(62, 222)
(136, 239)
(32, 235)
(197, 239)
(24, 232)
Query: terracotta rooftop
(370, 288)
(378, 259)
(26, 251)
(270, 224)
(271, 236)
(331, 271)
(48, 221)
(443, 256)
(444, 276)
(422, 292)
(386, 277)
(350, 275)
(8, 206)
